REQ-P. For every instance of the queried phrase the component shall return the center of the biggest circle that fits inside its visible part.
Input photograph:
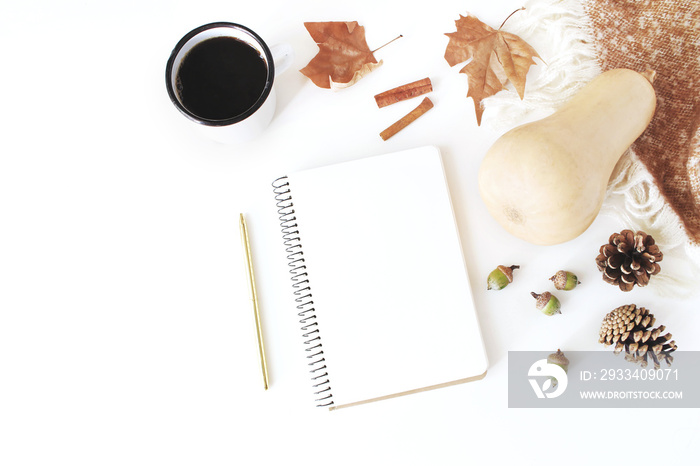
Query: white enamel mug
(254, 120)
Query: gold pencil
(253, 296)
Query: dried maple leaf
(344, 56)
(496, 57)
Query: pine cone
(631, 328)
(629, 259)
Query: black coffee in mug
(220, 78)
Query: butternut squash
(545, 181)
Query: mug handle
(283, 56)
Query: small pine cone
(631, 328)
(629, 258)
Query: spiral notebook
(378, 278)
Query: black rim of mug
(169, 70)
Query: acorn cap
(508, 271)
(547, 303)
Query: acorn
(547, 303)
(564, 280)
(500, 277)
(560, 360)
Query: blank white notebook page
(387, 275)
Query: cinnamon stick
(424, 106)
(407, 91)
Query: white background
(126, 335)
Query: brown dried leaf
(343, 57)
(496, 58)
